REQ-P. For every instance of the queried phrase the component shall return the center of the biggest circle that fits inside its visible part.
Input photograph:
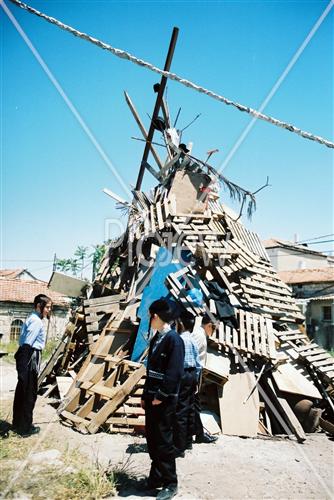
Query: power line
(319, 242)
(172, 76)
(317, 238)
(26, 260)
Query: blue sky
(52, 174)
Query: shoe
(167, 492)
(149, 486)
(206, 438)
(179, 454)
(33, 430)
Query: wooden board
(64, 384)
(239, 418)
(291, 378)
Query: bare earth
(233, 467)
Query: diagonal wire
(172, 76)
(67, 100)
(278, 83)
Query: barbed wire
(172, 76)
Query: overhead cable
(172, 76)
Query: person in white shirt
(32, 341)
(200, 335)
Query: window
(15, 329)
(327, 313)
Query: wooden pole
(157, 108)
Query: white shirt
(200, 340)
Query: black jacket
(164, 367)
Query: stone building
(314, 291)
(18, 288)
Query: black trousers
(184, 426)
(198, 426)
(27, 365)
(159, 436)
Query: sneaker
(33, 430)
(206, 438)
(167, 492)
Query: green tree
(81, 252)
(96, 257)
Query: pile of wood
(263, 375)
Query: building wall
(319, 329)
(10, 311)
(283, 259)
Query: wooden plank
(130, 410)
(256, 334)
(324, 362)
(263, 334)
(221, 333)
(86, 408)
(228, 334)
(287, 413)
(73, 418)
(270, 338)
(110, 406)
(242, 330)
(126, 420)
(319, 357)
(300, 336)
(307, 347)
(274, 288)
(110, 299)
(249, 321)
(238, 416)
(64, 384)
(102, 390)
(325, 369)
(289, 378)
(312, 352)
(159, 215)
(235, 338)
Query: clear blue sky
(53, 176)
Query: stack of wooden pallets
(208, 246)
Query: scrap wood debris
(262, 376)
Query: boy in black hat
(164, 372)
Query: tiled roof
(322, 275)
(16, 290)
(275, 243)
(10, 273)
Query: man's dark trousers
(27, 362)
(159, 436)
(184, 427)
(198, 426)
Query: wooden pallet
(102, 392)
(254, 336)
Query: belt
(189, 369)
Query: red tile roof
(10, 273)
(16, 290)
(321, 275)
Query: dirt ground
(231, 468)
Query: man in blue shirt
(32, 341)
(185, 410)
